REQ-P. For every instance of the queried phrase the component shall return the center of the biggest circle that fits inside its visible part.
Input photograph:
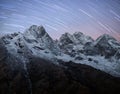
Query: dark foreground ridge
(49, 78)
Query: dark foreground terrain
(44, 77)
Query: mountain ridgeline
(33, 63)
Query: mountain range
(33, 63)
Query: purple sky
(92, 17)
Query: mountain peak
(66, 38)
(66, 34)
(81, 38)
(41, 31)
(106, 36)
(33, 27)
(78, 33)
(36, 31)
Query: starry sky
(92, 17)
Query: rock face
(39, 35)
(66, 43)
(42, 41)
(107, 45)
(33, 63)
(72, 44)
(81, 38)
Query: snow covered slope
(103, 53)
(34, 41)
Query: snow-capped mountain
(73, 44)
(107, 45)
(34, 41)
(102, 53)
(33, 63)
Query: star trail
(92, 17)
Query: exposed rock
(107, 45)
(90, 49)
(72, 44)
(81, 38)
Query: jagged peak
(78, 33)
(36, 28)
(37, 31)
(41, 30)
(77, 38)
(105, 37)
(33, 27)
(82, 38)
(41, 27)
(66, 34)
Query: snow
(98, 62)
(80, 38)
(114, 44)
(78, 47)
(47, 49)
(101, 64)
(64, 57)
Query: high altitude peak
(82, 38)
(33, 27)
(37, 28)
(41, 27)
(105, 37)
(66, 34)
(37, 31)
(78, 33)
(41, 30)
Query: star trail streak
(92, 17)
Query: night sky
(92, 17)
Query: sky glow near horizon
(92, 17)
